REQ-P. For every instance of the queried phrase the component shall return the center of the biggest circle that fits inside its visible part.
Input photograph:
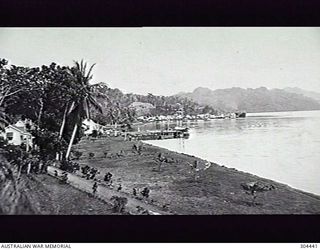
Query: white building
(17, 134)
(89, 125)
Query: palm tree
(83, 98)
(67, 111)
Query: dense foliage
(54, 97)
(57, 99)
(116, 105)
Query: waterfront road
(105, 193)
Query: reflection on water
(283, 146)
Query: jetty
(178, 132)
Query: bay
(282, 146)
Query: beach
(176, 188)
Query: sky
(166, 61)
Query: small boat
(241, 114)
(182, 129)
(181, 132)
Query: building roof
(20, 129)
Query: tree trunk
(28, 146)
(29, 168)
(40, 111)
(71, 140)
(57, 156)
(61, 129)
(63, 123)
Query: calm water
(282, 146)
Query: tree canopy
(57, 97)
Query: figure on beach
(194, 166)
(207, 165)
(64, 178)
(120, 153)
(94, 188)
(107, 177)
(134, 148)
(134, 191)
(145, 192)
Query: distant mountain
(252, 100)
(311, 94)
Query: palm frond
(84, 96)
(89, 76)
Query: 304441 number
(309, 246)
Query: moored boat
(241, 114)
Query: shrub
(252, 188)
(145, 192)
(64, 178)
(94, 133)
(69, 166)
(119, 203)
(91, 155)
(77, 154)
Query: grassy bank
(216, 190)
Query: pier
(158, 134)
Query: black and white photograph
(160, 121)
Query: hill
(142, 108)
(252, 100)
(311, 94)
(119, 107)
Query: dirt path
(105, 193)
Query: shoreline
(241, 171)
(217, 190)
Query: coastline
(243, 172)
(240, 171)
(216, 190)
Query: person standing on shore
(194, 169)
(94, 188)
(140, 149)
(207, 165)
(145, 192)
(134, 191)
(107, 177)
(194, 166)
